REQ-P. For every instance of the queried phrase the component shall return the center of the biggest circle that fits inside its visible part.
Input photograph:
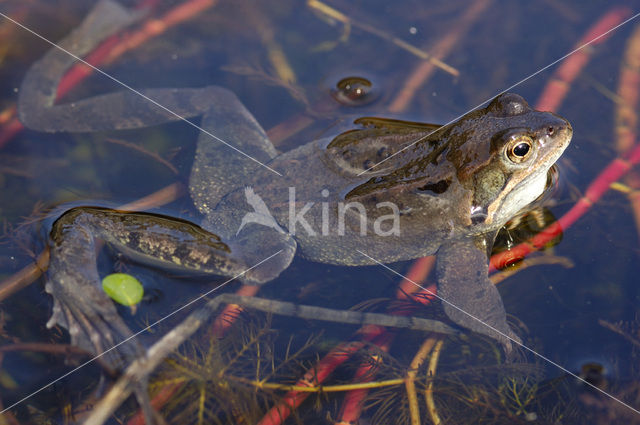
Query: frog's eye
(520, 149)
(354, 91)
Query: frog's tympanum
(440, 190)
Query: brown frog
(392, 191)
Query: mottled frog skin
(446, 189)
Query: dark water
(559, 309)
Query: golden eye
(520, 148)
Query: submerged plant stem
(322, 388)
(410, 384)
(428, 392)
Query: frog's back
(310, 200)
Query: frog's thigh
(80, 305)
(464, 283)
(219, 167)
(261, 244)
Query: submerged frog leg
(81, 306)
(113, 111)
(79, 303)
(217, 170)
(463, 282)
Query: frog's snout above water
(555, 137)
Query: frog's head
(523, 145)
(505, 162)
(486, 166)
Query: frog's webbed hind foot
(472, 301)
(79, 303)
(84, 309)
(96, 329)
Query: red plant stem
(159, 400)
(10, 130)
(115, 46)
(230, 313)
(78, 72)
(353, 400)
(560, 83)
(7, 114)
(417, 273)
(313, 377)
(626, 118)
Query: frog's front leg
(82, 307)
(472, 301)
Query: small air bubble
(413, 30)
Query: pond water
(576, 303)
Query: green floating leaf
(123, 288)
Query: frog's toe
(491, 322)
(510, 342)
(93, 325)
(81, 336)
(57, 315)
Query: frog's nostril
(550, 131)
